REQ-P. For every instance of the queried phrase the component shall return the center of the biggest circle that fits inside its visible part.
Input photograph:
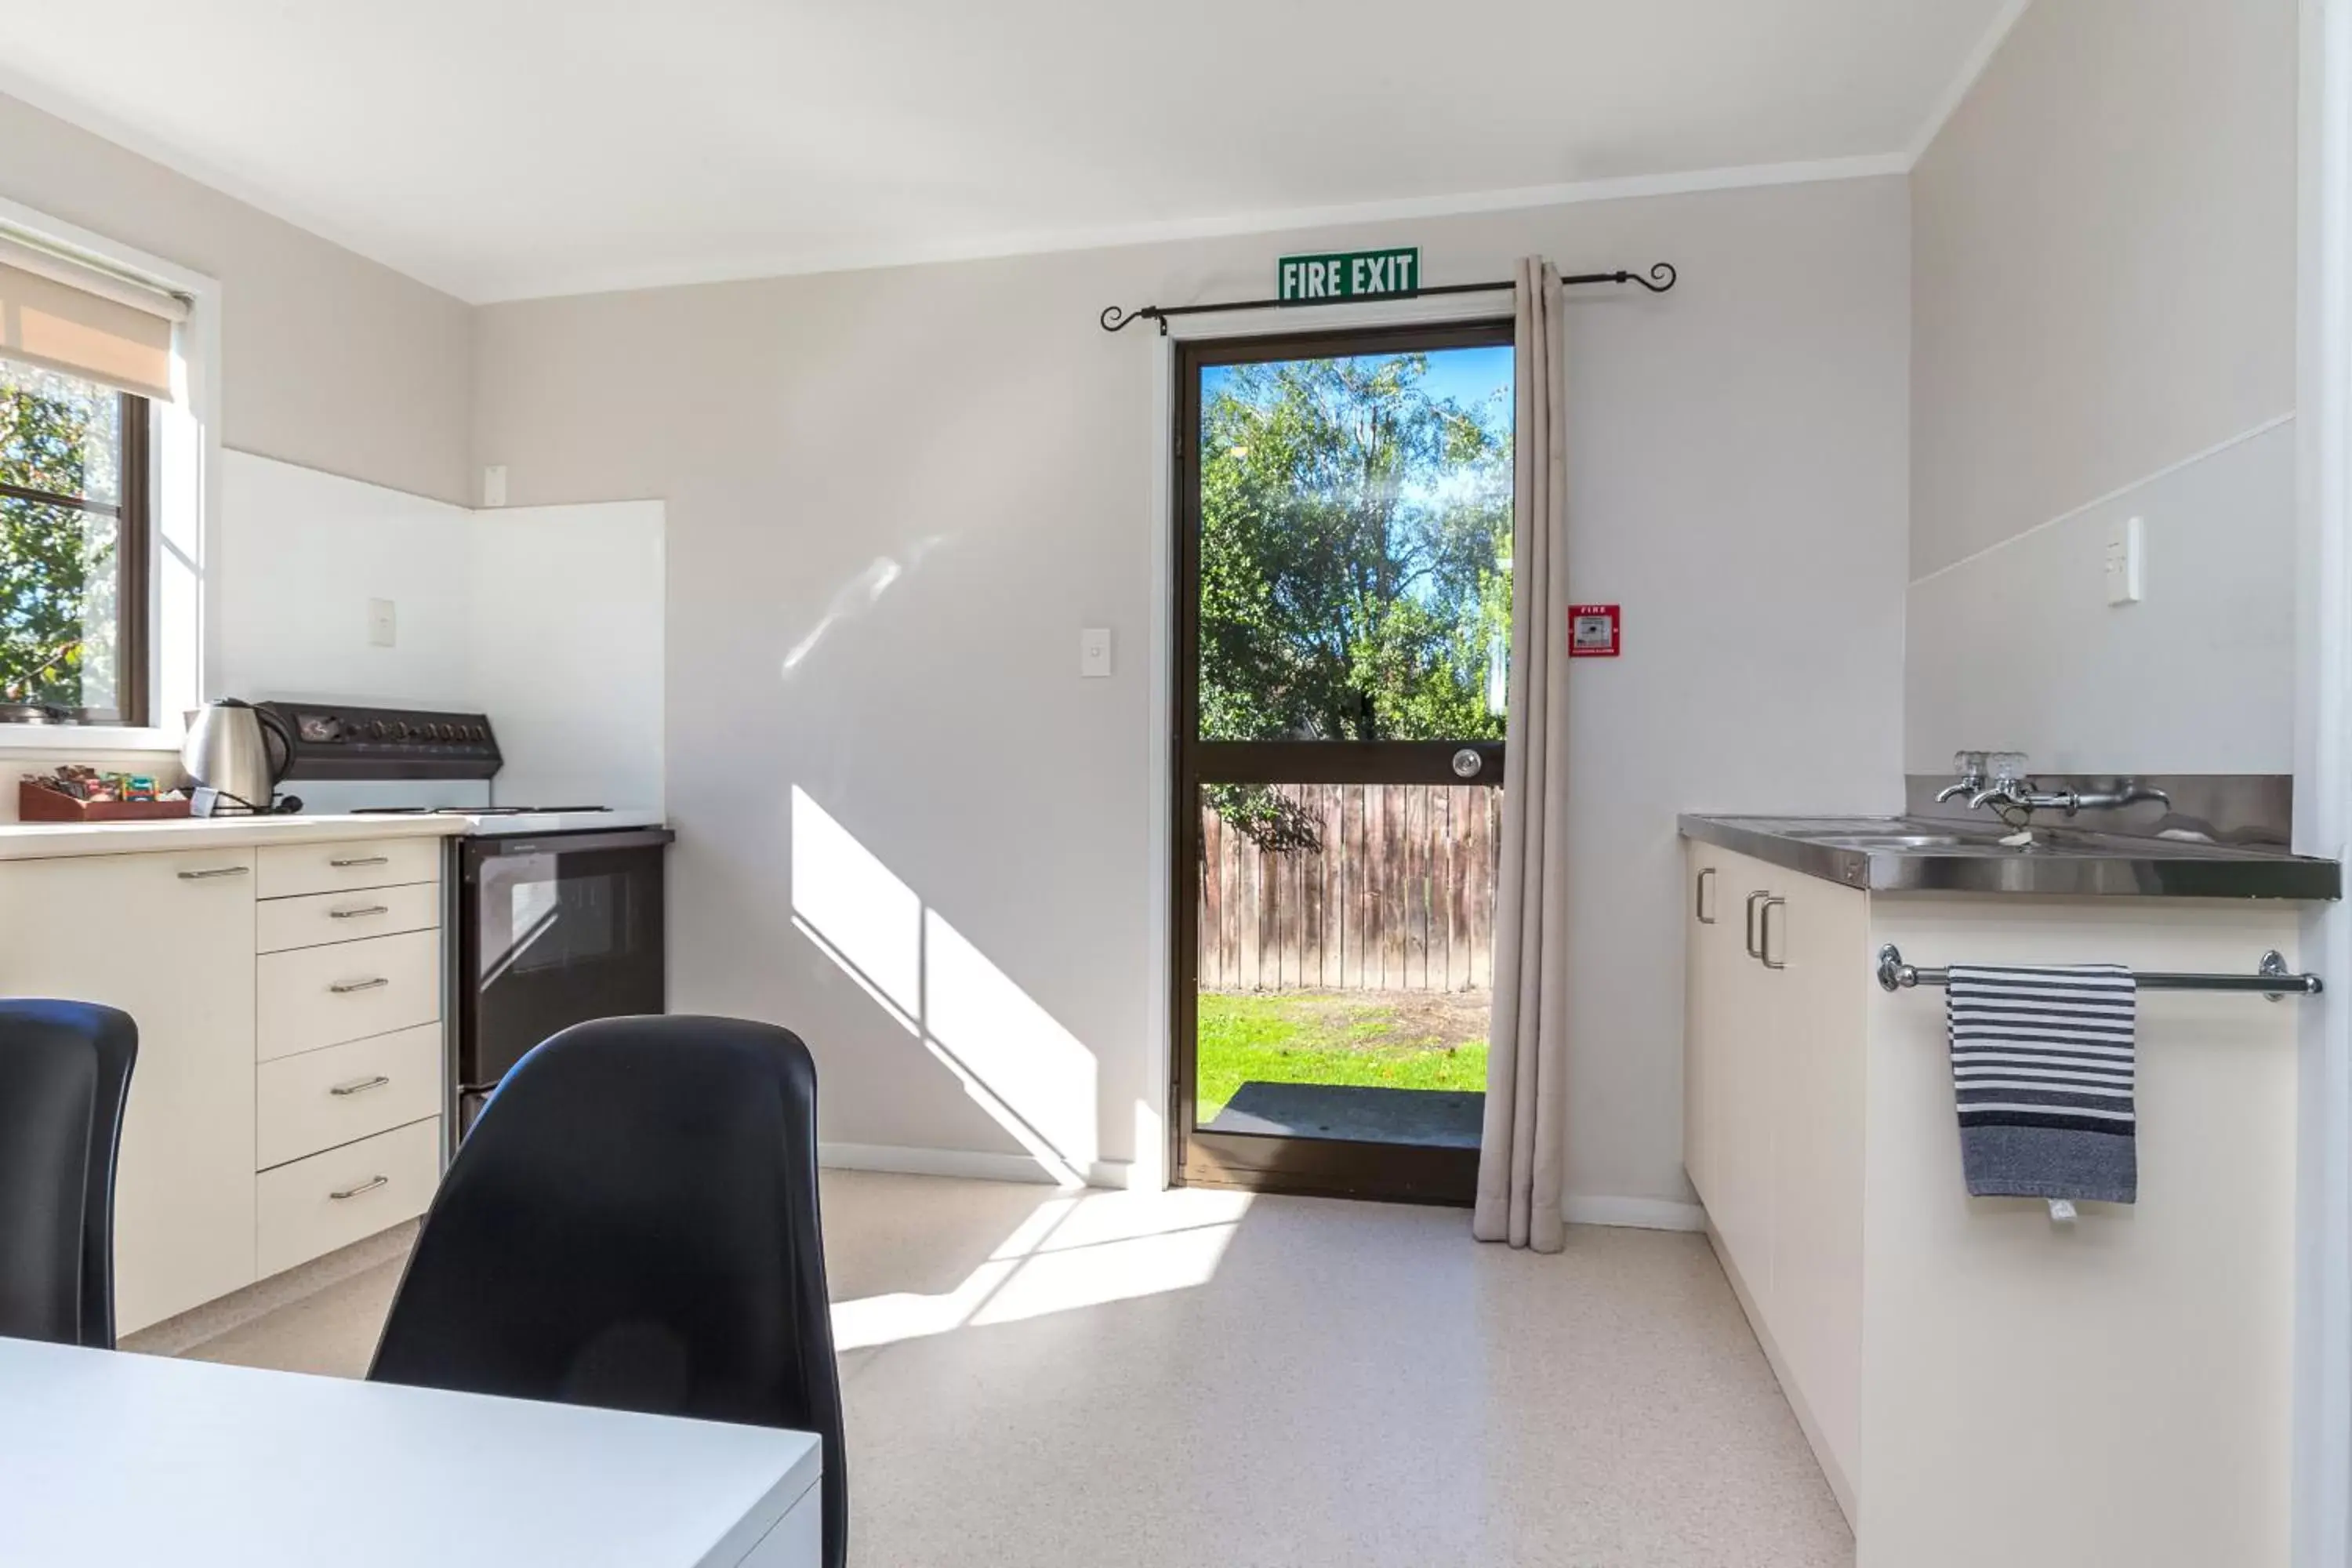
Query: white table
(115, 1460)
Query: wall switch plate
(494, 485)
(2126, 547)
(1093, 653)
(384, 623)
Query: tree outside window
(64, 524)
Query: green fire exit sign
(1348, 275)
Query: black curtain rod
(1661, 279)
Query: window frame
(132, 511)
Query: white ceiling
(505, 148)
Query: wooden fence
(1400, 897)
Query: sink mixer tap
(2009, 787)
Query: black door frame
(1327, 1167)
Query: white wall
(2104, 275)
(327, 359)
(564, 644)
(301, 554)
(895, 497)
(549, 619)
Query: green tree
(1355, 564)
(57, 569)
(1355, 554)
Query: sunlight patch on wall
(1032, 1077)
(872, 922)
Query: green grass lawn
(1388, 1040)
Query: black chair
(633, 1224)
(65, 1073)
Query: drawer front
(315, 996)
(291, 870)
(316, 918)
(324, 1098)
(331, 1200)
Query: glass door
(1343, 583)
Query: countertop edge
(70, 840)
(2253, 878)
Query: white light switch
(1093, 653)
(494, 485)
(2125, 550)
(384, 623)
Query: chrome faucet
(1971, 766)
(2009, 786)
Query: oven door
(554, 929)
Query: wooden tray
(35, 804)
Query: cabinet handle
(346, 987)
(209, 872)
(354, 914)
(371, 1185)
(1748, 940)
(358, 1085)
(1706, 886)
(360, 860)
(1764, 936)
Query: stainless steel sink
(1867, 842)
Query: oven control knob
(375, 729)
(399, 731)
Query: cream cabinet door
(1708, 954)
(1816, 952)
(1741, 1090)
(168, 938)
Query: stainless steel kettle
(231, 761)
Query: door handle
(346, 987)
(1748, 940)
(358, 1085)
(1698, 898)
(360, 860)
(371, 1185)
(1764, 935)
(355, 914)
(209, 872)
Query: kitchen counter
(1936, 855)
(49, 840)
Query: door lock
(1468, 763)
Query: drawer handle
(360, 860)
(355, 914)
(209, 872)
(1764, 935)
(344, 988)
(358, 1085)
(371, 1185)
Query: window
(73, 550)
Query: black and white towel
(2044, 1065)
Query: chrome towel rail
(2271, 979)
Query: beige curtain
(1522, 1157)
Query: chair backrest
(633, 1224)
(65, 1074)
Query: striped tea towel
(2043, 1065)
